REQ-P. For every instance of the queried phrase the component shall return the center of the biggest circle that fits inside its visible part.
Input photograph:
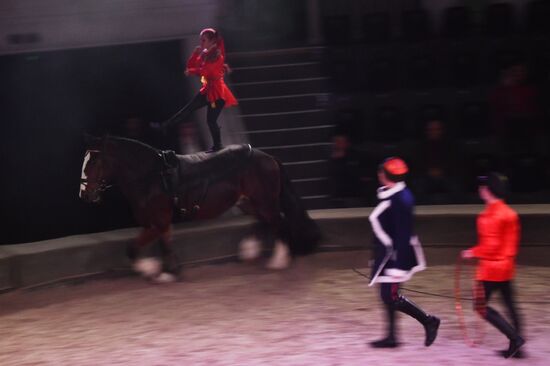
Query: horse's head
(96, 171)
(117, 160)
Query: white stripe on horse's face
(83, 176)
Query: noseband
(101, 187)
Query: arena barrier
(443, 231)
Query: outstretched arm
(193, 63)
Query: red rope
(473, 335)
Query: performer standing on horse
(397, 252)
(498, 230)
(208, 62)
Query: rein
(447, 296)
(417, 291)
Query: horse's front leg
(250, 246)
(171, 267)
(148, 267)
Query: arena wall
(443, 230)
(40, 25)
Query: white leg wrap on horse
(165, 277)
(250, 248)
(281, 256)
(148, 267)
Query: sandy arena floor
(317, 313)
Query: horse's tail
(303, 233)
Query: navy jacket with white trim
(397, 251)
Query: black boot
(516, 341)
(216, 137)
(389, 341)
(514, 348)
(430, 322)
(506, 354)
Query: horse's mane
(134, 144)
(135, 153)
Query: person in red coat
(207, 62)
(498, 230)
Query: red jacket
(498, 230)
(210, 67)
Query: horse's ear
(91, 141)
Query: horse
(158, 184)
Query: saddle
(184, 173)
(194, 169)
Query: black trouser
(493, 317)
(212, 114)
(389, 293)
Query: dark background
(49, 100)
(392, 70)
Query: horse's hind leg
(280, 258)
(273, 223)
(268, 230)
(262, 186)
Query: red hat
(395, 166)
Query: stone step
(308, 169)
(286, 103)
(278, 56)
(280, 87)
(298, 70)
(284, 100)
(292, 136)
(295, 119)
(311, 186)
(316, 202)
(300, 152)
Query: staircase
(283, 97)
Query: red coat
(498, 230)
(210, 67)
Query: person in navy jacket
(397, 251)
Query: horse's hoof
(278, 264)
(249, 249)
(165, 277)
(281, 256)
(147, 267)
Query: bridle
(101, 184)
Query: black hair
(497, 184)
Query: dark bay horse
(201, 186)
